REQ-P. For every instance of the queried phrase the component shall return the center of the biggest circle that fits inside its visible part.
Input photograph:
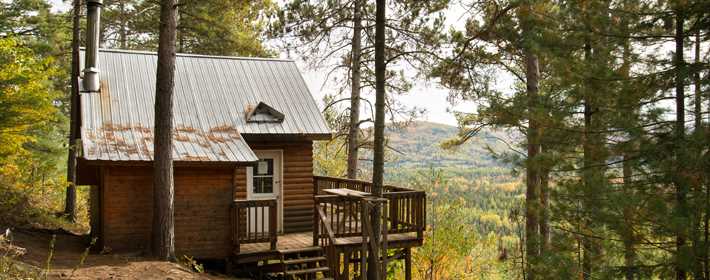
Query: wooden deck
(342, 217)
(304, 240)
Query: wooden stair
(305, 263)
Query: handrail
(328, 230)
(328, 242)
(245, 231)
(326, 182)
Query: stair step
(307, 271)
(301, 250)
(304, 260)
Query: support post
(316, 222)
(408, 263)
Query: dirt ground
(65, 263)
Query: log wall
(297, 182)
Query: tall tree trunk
(532, 170)
(163, 188)
(545, 234)
(706, 237)
(628, 232)
(592, 175)
(122, 33)
(70, 200)
(698, 93)
(681, 187)
(699, 251)
(354, 128)
(532, 199)
(378, 168)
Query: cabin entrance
(264, 183)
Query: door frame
(278, 164)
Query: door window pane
(263, 176)
(263, 185)
(264, 167)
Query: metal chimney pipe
(93, 28)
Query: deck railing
(405, 209)
(324, 237)
(324, 182)
(254, 221)
(406, 212)
(343, 215)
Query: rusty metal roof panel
(212, 98)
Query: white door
(264, 182)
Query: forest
(583, 151)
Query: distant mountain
(419, 146)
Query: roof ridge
(144, 52)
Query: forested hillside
(420, 145)
(474, 197)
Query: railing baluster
(259, 219)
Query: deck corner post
(316, 222)
(273, 226)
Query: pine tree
(375, 270)
(338, 36)
(70, 200)
(163, 186)
(205, 27)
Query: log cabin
(244, 186)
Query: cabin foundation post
(95, 218)
(408, 263)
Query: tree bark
(532, 199)
(532, 170)
(545, 234)
(354, 128)
(375, 271)
(681, 188)
(122, 33)
(698, 92)
(699, 251)
(70, 200)
(628, 232)
(593, 173)
(163, 188)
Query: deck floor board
(303, 240)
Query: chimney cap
(94, 2)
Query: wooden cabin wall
(202, 225)
(297, 182)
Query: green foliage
(205, 27)
(626, 188)
(329, 158)
(32, 22)
(25, 102)
(32, 141)
(192, 264)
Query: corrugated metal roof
(212, 97)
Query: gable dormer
(263, 113)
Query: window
(263, 176)
(263, 113)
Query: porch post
(316, 222)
